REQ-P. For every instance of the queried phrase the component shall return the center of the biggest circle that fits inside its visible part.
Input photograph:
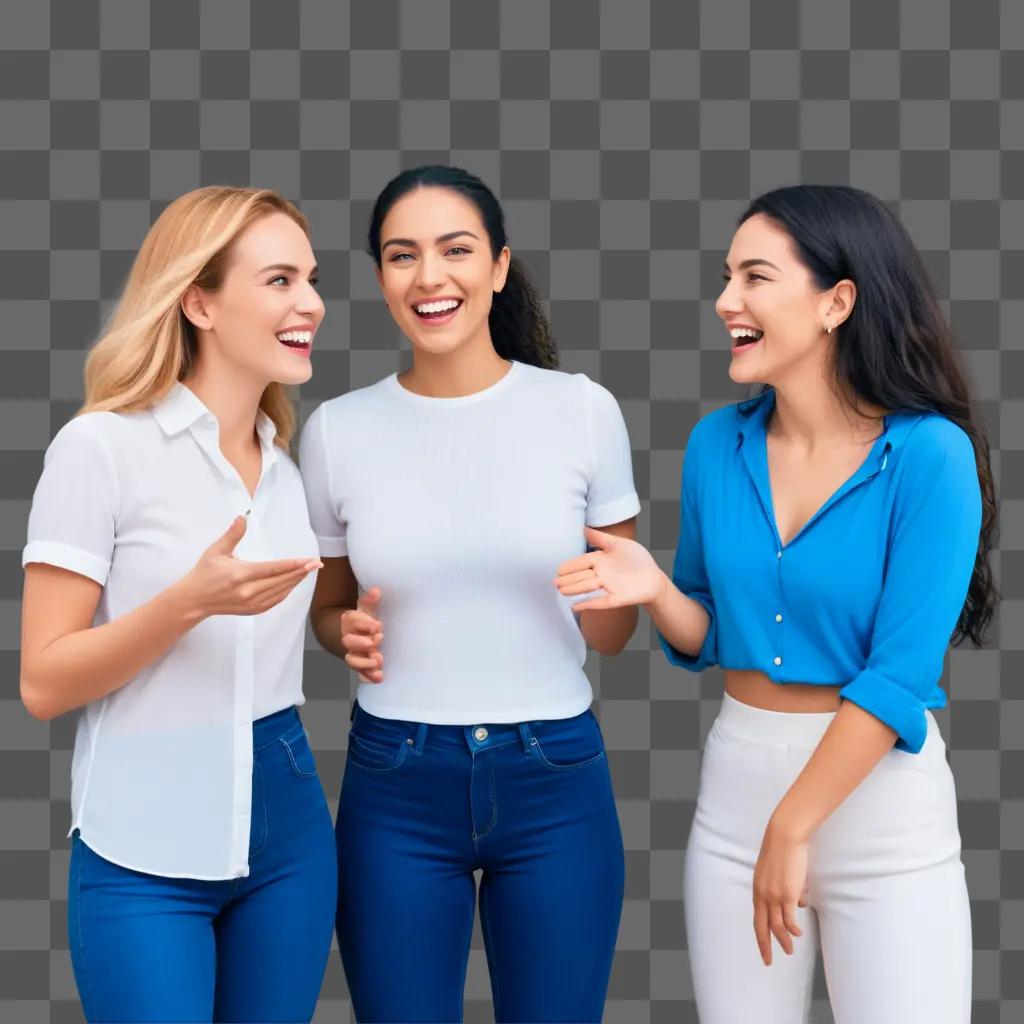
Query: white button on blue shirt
(874, 582)
(162, 767)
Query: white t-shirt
(461, 510)
(162, 768)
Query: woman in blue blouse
(835, 531)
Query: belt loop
(421, 737)
(352, 712)
(526, 735)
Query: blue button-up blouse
(865, 596)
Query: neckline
(394, 385)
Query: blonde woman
(169, 570)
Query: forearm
(607, 630)
(326, 623)
(86, 665)
(681, 620)
(851, 747)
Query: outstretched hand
(622, 568)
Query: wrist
(785, 824)
(663, 584)
(182, 605)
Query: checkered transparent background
(623, 138)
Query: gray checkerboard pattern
(624, 137)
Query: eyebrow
(440, 238)
(753, 263)
(285, 266)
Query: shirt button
(480, 734)
(778, 617)
(778, 554)
(778, 661)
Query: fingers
(355, 621)
(577, 577)
(599, 603)
(762, 932)
(789, 919)
(779, 930)
(274, 595)
(279, 568)
(228, 540)
(583, 587)
(362, 643)
(577, 564)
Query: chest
(801, 484)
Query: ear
(501, 266)
(838, 304)
(380, 276)
(193, 305)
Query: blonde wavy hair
(149, 343)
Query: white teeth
(746, 332)
(436, 307)
(297, 337)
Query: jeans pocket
(300, 754)
(376, 755)
(565, 745)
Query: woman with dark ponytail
(836, 530)
(449, 495)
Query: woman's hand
(621, 567)
(780, 886)
(361, 634)
(220, 584)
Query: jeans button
(480, 734)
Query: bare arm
(852, 745)
(607, 630)
(66, 662)
(681, 620)
(337, 592)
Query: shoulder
(930, 442)
(722, 425)
(89, 432)
(351, 402)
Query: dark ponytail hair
(519, 328)
(895, 350)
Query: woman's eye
(458, 249)
(280, 277)
(315, 282)
(756, 277)
(398, 256)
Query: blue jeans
(149, 948)
(530, 805)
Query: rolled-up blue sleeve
(688, 571)
(933, 545)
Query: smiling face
(437, 272)
(772, 309)
(262, 319)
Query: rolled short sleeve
(933, 546)
(611, 493)
(72, 522)
(688, 571)
(314, 465)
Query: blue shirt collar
(754, 413)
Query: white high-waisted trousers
(887, 897)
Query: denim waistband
(480, 736)
(267, 729)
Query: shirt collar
(181, 407)
(754, 412)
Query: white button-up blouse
(162, 766)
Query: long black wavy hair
(519, 328)
(896, 349)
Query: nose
(429, 272)
(728, 301)
(309, 302)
